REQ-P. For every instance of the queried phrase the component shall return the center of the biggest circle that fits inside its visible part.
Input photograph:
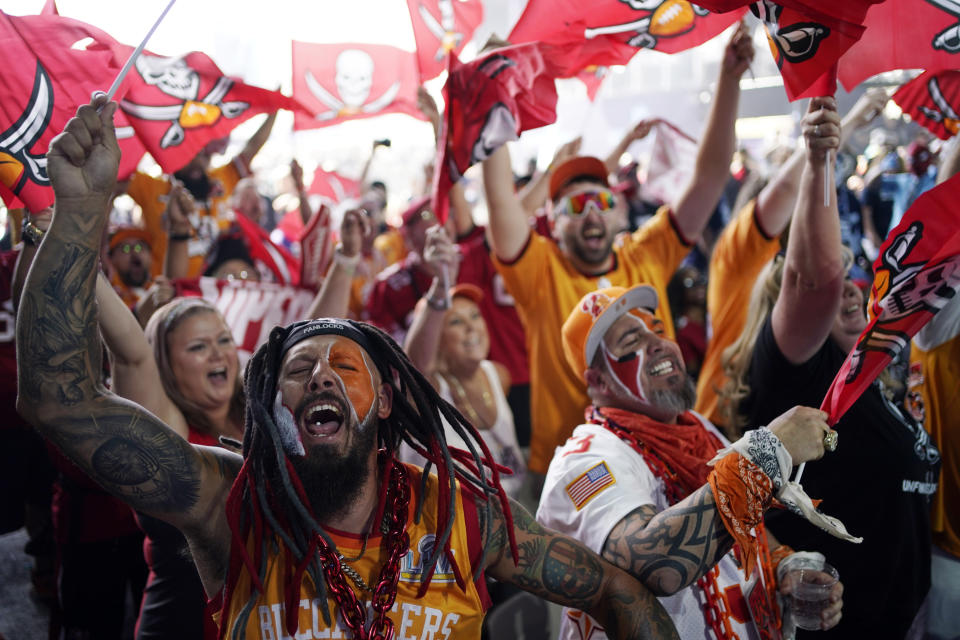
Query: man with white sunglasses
(547, 279)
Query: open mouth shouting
(217, 376)
(660, 368)
(322, 419)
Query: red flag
(316, 247)
(334, 186)
(178, 105)
(933, 101)
(592, 77)
(41, 92)
(268, 257)
(489, 101)
(917, 273)
(608, 32)
(671, 165)
(340, 82)
(49, 8)
(441, 27)
(905, 34)
(250, 309)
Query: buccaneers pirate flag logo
(441, 27)
(933, 100)
(178, 105)
(347, 81)
(54, 73)
(609, 32)
(917, 273)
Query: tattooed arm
(126, 449)
(563, 570)
(672, 549)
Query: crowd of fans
(578, 296)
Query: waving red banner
(178, 105)
(609, 32)
(338, 82)
(441, 27)
(933, 101)
(489, 102)
(334, 186)
(251, 309)
(41, 92)
(917, 273)
(905, 34)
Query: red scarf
(677, 453)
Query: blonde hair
(162, 323)
(737, 357)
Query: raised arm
(813, 271)
(440, 256)
(640, 131)
(509, 230)
(257, 140)
(129, 451)
(712, 168)
(333, 299)
(565, 571)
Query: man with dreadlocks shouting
(316, 518)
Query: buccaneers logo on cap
(595, 303)
(17, 163)
(666, 18)
(175, 78)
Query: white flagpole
(136, 53)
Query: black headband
(324, 326)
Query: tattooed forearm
(59, 354)
(672, 549)
(133, 456)
(564, 571)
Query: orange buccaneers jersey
(738, 258)
(210, 219)
(444, 612)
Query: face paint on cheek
(287, 426)
(359, 384)
(627, 371)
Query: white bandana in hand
(764, 449)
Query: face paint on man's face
(627, 370)
(348, 360)
(287, 426)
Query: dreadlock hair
(264, 514)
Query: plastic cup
(812, 581)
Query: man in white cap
(633, 483)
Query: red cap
(414, 209)
(579, 166)
(468, 291)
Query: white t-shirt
(595, 479)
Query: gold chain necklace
(468, 405)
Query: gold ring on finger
(830, 440)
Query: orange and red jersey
(738, 257)
(546, 288)
(445, 611)
(212, 216)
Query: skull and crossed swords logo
(949, 39)
(943, 113)
(354, 79)
(17, 162)
(175, 78)
(443, 28)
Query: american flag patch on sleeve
(590, 483)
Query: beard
(675, 400)
(333, 480)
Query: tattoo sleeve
(670, 550)
(126, 449)
(563, 570)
